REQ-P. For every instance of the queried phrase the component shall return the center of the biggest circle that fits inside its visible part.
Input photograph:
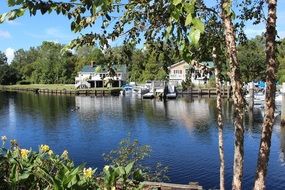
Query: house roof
(178, 63)
(208, 64)
(87, 69)
(102, 68)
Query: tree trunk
(234, 75)
(219, 118)
(265, 142)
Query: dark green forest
(49, 64)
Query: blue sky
(26, 31)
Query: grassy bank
(61, 89)
(41, 86)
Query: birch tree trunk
(219, 118)
(265, 142)
(237, 97)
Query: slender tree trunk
(265, 142)
(236, 83)
(219, 118)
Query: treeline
(48, 64)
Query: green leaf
(195, 36)
(11, 3)
(2, 17)
(169, 29)
(198, 24)
(129, 167)
(189, 8)
(175, 14)
(176, 2)
(188, 20)
(24, 176)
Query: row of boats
(149, 91)
(259, 101)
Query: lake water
(182, 133)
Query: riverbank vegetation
(22, 168)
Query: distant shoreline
(64, 89)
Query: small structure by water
(97, 76)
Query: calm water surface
(182, 133)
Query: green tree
(153, 70)
(252, 58)
(137, 66)
(3, 58)
(8, 75)
(281, 61)
(23, 61)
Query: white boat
(148, 95)
(171, 92)
(259, 98)
(140, 90)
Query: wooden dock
(92, 91)
(226, 92)
(170, 186)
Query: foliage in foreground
(28, 169)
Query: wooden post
(200, 92)
(209, 92)
(251, 96)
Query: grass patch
(42, 86)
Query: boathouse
(98, 76)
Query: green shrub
(42, 169)
(24, 82)
(132, 152)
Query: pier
(90, 91)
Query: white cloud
(5, 34)
(10, 54)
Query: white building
(92, 76)
(198, 73)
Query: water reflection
(282, 145)
(190, 114)
(182, 132)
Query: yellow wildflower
(50, 152)
(3, 138)
(44, 148)
(88, 173)
(24, 153)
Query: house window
(177, 71)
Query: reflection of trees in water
(50, 108)
(282, 144)
(124, 108)
(4, 100)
